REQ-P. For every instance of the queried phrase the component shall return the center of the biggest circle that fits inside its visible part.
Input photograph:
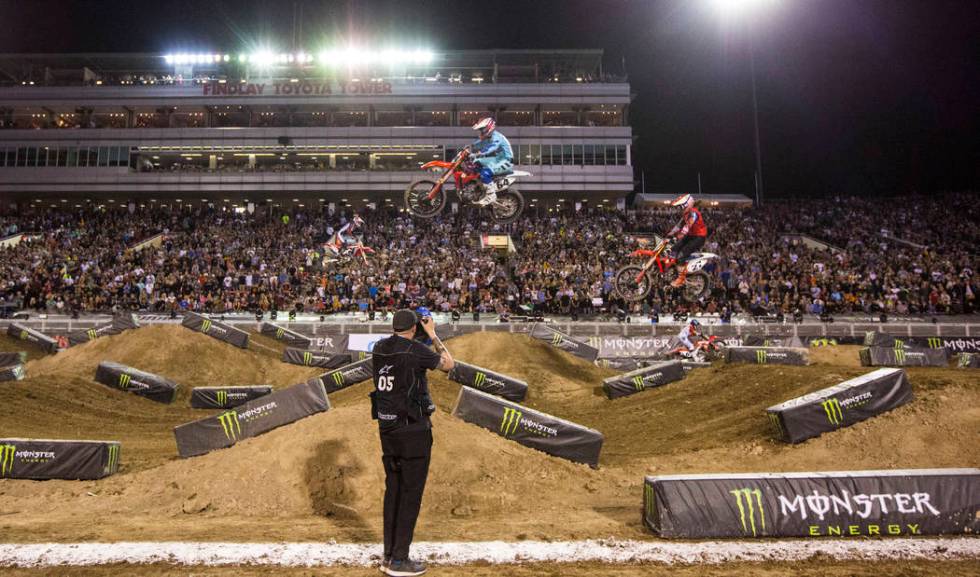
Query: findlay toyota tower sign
(299, 88)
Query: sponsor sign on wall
(633, 382)
(969, 361)
(528, 427)
(840, 406)
(251, 419)
(309, 358)
(52, 459)
(563, 341)
(618, 347)
(12, 372)
(119, 323)
(903, 357)
(489, 381)
(219, 330)
(137, 382)
(226, 397)
(951, 344)
(364, 341)
(346, 375)
(770, 342)
(14, 358)
(858, 504)
(291, 338)
(330, 343)
(767, 356)
(46, 343)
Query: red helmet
(486, 126)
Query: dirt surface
(820, 568)
(321, 478)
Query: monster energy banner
(953, 344)
(969, 361)
(315, 358)
(346, 376)
(612, 347)
(137, 382)
(902, 357)
(120, 323)
(251, 419)
(621, 364)
(40, 339)
(840, 406)
(47, 459)
(221, 331)
(528, 427)
(561, 340)
(15, 358)
(860, 504)
(655, 375)
(767, 356)
(766, 341)
(330, 343)
(690, 365)
(291, 338)
(488, 381)
(12, 372)
(226, 397)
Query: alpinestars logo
(7, 453)
(510, 420)
(749, 503)
(483, 382)
(835, 415)
(230, 425)
(113, 461)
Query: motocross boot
(681, 277)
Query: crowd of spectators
(913, 255)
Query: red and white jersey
(692, 224)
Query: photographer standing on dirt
(401, 404)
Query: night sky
(855, 96)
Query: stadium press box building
(240, 129)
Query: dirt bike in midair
(634, 281)
(426, 198)
(706, 349)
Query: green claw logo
(113, 459)
(650, 504)
(7, 453)
(776, 423)
(280, 332)
(222, 397)
(124, 381)
(206, 325)
(556, 339)
(835, 414)
(638, 382)
(230, 425)
(746, 506)
(92, 334)
(23, 334)
(900, 356)
(761, 357)
(338, 378)
(481, 377)
(307, 358)
(935, 343)
(512, 418)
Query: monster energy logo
(935, 343)
(512, 418)
(92, 334)
(23, 334)
(222, 397)
(206, 325)
(7, 459)
(280, 332)
(761, 357)
(638, 382)
(481, 378)
(307, 358)
(124, 381)
(113, 458)
(556, 339)
(900, 356)
(648, 500)
(835, 414)
(747, 507)
(230, 425)
(338, 378)
(776, 423)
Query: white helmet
(684, 200)
(486, 126)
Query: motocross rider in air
(345, 236)
(493, 155)
(690, 233)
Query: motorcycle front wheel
(696, 287)
(508, 207)
(417, 199)
(631, 283)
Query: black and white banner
(226, 397)
(56, 459)
(46, 343)
(219, 330)
(15, 358)
(951, 344)
(12, 372)
(315, 358)
(528, 427)
(563, 341)
(859, 504)
(767, 356)
(119, 323)
(633, 382)
(840, 406)
(969, 361)
(903, 357)
(489, 381)
(346, 375)
(137, 382)
(291, 338)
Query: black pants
(406, 470)
(687, 246)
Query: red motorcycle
(425, 198)
(705, 349)
(633, 282)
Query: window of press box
(64, 156)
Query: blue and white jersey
(497, 148)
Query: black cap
(403, 320)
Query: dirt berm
(321, 478)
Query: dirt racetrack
(321, 478)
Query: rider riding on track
(690, 234)
(493, 156)
(692, 328)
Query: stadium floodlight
(169, 58)
(731, 9)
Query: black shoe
(405, 568)
(384, 563)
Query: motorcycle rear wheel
(696, 287)
(627, 287)
(508, 208)
(417, 202)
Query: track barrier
(12, 372)
(140, 383)
(308, 358)
(841, 405)
(767, 356)
(216, 329)
(55, 459)
(226, 397)
(119, 323)
(655, 375)
(528, 427)
(861, 504)
(969, 361)
(563, 341)
(489, 381)
(46, 343)
(280, 333)
(903, 357)
(346, 376)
